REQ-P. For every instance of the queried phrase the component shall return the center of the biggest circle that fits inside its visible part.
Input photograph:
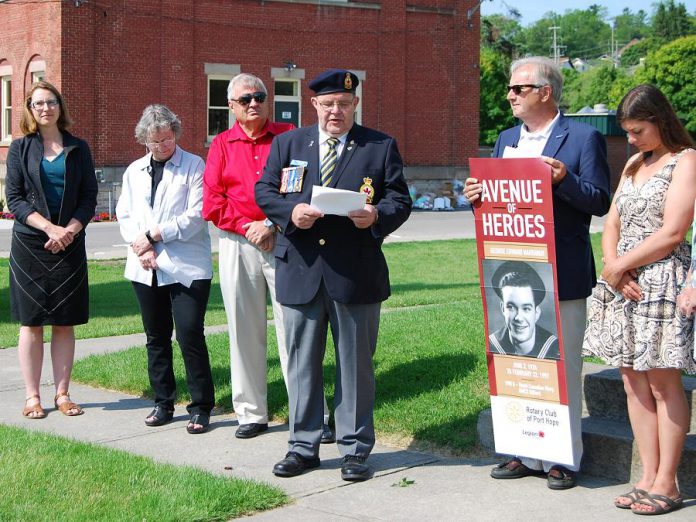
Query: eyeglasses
(156, 145)
(517, 89)
(245, 99)
(343, 106)
(39, 104)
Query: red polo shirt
(235, 163)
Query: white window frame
(358, 92)
(284, 98)
(6, 108)
(37, 68)
(218, 71)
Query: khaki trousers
(247, 277)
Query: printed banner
(524, 347)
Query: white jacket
(176, 211)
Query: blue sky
(532, 10)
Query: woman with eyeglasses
(52, 191)
(169, 263)
(633, 322)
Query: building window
(286, 101)
(219, 115)
(37, 76)
(6, 108)
(358, 92)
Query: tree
(502, 34)
(671, 68)
(628, 26)
(495, 114)
(589, 88)
(633, 54)
(671, 21)
(583, 33)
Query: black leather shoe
(560, 477)
(327, 435)
(354, 468)
(513, 469)
(160, 415)
(249, 431)
(293, 465)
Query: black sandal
(198, 418)
(160, 416)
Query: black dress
(46, 288)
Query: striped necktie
(328, 165)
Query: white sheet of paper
(336, 201)
(514, 152)
(166, 265)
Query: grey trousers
(573, 318)
(354, 330)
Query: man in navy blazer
(577, 156)
(330, 269)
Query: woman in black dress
(52, 191)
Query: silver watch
(268, 223)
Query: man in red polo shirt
(247, 265)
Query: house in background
(417, 61)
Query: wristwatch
(149, 237)
(268, 223)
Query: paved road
(104, 240)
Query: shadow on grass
(409, 380)
(398, 288)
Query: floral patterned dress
(650, 333)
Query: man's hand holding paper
(339, 202)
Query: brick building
(417, 61)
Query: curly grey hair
(155, 118)
(248, 81)
(546, 72)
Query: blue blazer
(347, 259)
(584, 192)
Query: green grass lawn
(431, 385)
(430, 354)
(112, 304)
(49, 478)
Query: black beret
(518, 273)
(334, 80)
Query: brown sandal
(36, 409)
(68, 405)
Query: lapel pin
(311, 143)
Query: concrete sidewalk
(443, 488)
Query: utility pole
(555, 48)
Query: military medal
(367, 189)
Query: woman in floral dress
(633, 321)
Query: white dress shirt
(176, 212)
(324, 147)
(531, 144)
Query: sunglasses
(517, 89)
(245, 99)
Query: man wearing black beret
(330, 269)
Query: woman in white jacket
(169, 262)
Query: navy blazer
(349, 260)
(584, 192)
